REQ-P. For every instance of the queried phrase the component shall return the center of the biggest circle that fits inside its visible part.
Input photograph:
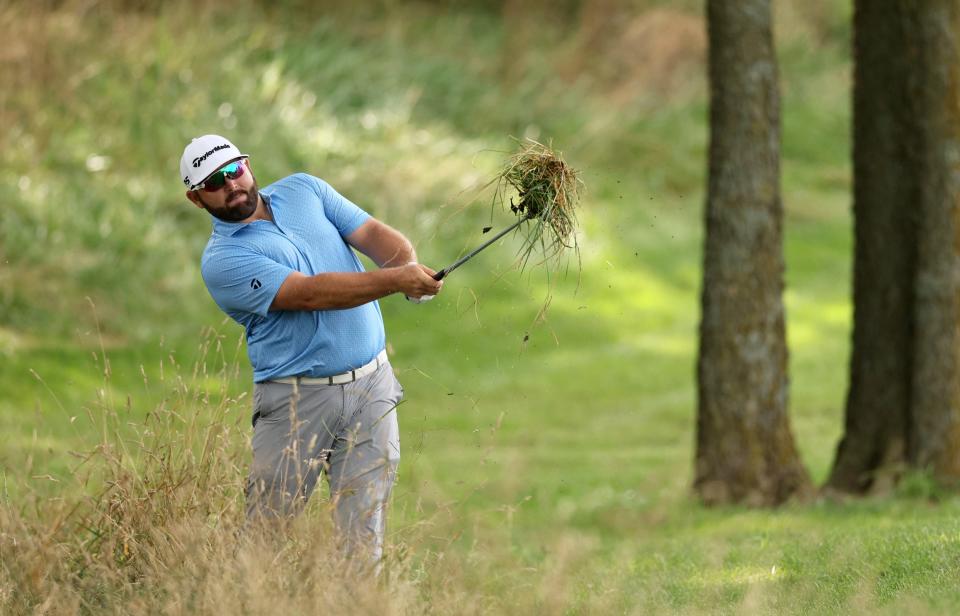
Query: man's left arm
(386, 246)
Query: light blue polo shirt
(244, 265)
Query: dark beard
(235, 213)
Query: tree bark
(903, 406)
(874, 446)
(745, 450)
(934, 28)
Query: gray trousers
(349, 431)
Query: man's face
(236, 200)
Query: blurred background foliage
(407, 108)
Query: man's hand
(417, 283)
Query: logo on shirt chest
(255, 284)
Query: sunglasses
(218, 180)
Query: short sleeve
(343, 213)
(241, 279)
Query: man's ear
(192, 196)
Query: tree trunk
(745, 450)
(884, 194)
(934, 28)
(903, 407)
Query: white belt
(338, 379)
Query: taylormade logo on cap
(222, 146)
(203, 156)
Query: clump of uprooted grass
(548, 192)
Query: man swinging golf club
(280, 263)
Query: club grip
(439, 275)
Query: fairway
(548, 426)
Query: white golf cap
(203, 156)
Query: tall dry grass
(151, 518)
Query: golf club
(442, 273)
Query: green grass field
(546, 462)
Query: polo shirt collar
(230, 229)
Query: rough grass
(513, 516)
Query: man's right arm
(339, 290)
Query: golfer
(280, 262)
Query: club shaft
(440, 275)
